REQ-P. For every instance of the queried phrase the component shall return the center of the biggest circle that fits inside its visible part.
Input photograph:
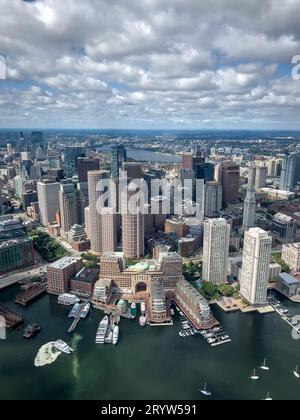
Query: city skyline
(141, 66)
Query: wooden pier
(296, 329)
(25, 297)
(12, 319)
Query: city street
(13, 278)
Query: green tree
(209, 291)
(226, 290)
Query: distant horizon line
(150, 129)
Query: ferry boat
(115, 338)
(133, 311)
(63, 347)
(67, 299)
(85, 310)
(143, 308)
(102, 330)
(31, 331)
(142, 320)
(75, 310)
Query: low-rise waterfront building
(83, 283)
(194, 306)
(153, 282)
(289, 286)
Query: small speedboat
(268, 398)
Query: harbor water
(151, 362)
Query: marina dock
(79, 311)
(284, 317)
(12, 319)
(27, 296)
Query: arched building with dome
(156, 282)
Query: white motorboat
(115, 335)
(102, 330)
(67, 299)
(63, 347)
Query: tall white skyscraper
(48, 198)
(250, 201)
(216, 250)
(256, 266)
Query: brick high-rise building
(85, 165)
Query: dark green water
(150, 363)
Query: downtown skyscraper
(256, 266)
(216, 250)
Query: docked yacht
(142, 320)
(63, 347)
(133, 310)
(85, 310)
(75, 310)
(143, 308)
(102, 330)
(115, 338)
(67, 299)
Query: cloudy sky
(150, 63)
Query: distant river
(149, 363)
(148, 156)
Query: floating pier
(285, 318)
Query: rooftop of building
(295, 245)
(283, 217)
(192, 292)
(288, 279)
(273, 190)
(13, 242)
(157, 290)
(87, 275)
(64, 262)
